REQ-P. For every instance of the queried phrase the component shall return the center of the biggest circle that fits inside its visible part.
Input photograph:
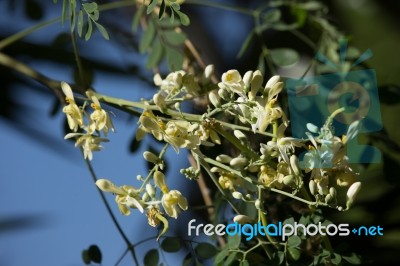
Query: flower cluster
(99, 121)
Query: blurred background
(49, 207)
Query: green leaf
(155, 55)
(231, 258)
(183, 18)
(234, 241)
(244, 263)
(64, 11)
(294, 241)
(151, 6)
(294, 253)
(353, 259)
(174, 38)
(285, 27)
(95, 254)
(289, 221)
(86, 257)
(245, 44)
(103, 31)
(206, 250)
(272, 16)
(147, 37)
(80, 23)
(221, 256)
(136, 18)
(89, 30)
(151, 258)
(337, 259)
(310, 5)
(174, 59)
(171, 244)
(284, 56)
(162, 9)
(90, 7)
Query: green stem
(117, 225)
(77, 59)
(263, 219)
(220, 6)
(148, 177)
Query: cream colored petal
(67, 90)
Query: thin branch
(117, 225)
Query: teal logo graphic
(313, 99)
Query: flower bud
(313, 187)
(215, 169)
(328, 198)
(253, 168)
(107, 186)
(256, 83)
(223, 158)
(223, 93)
(257, 204)
(208, 71)
(150, 190)
(247, 79)
(294, 163)
(159, 101)
(237, 195)
(214, 98)
(238, 162)
(240, 135)
(242, 219)
(151, 157)
(272, 81)
(312, 128)
(332, 191)
(352, 193)
(145, 196)
(159, 180)
(289, 180)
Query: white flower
(72, 111)
(172, 202)
(99, 119)
(89, 143)
(232, 81)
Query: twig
(205, 192)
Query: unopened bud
(256, 83)
(253, 168)
(352, 193)
(215, 169)
(257, 204)
(223, 93)
(159, 100)
(150, 190)
(294, 163)
(289, 180)
(159, 180)
(145, 196)
(107, 186)
(208, 71)
(332, 191)
(242, 219)
(237, 195)
(240, 135)
(247, 79)
(238, 162)
(151, 157)
(328, 198)
(214, 98)
(223, 158)
(313, 187)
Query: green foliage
(174, 9)
(205, 250)
(171, 244)
(151, 258)
(92, 254)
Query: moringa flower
(126, 196)
(172, 202)
(72, 111)
(89, 143)
(232, 81)
(99, 119)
